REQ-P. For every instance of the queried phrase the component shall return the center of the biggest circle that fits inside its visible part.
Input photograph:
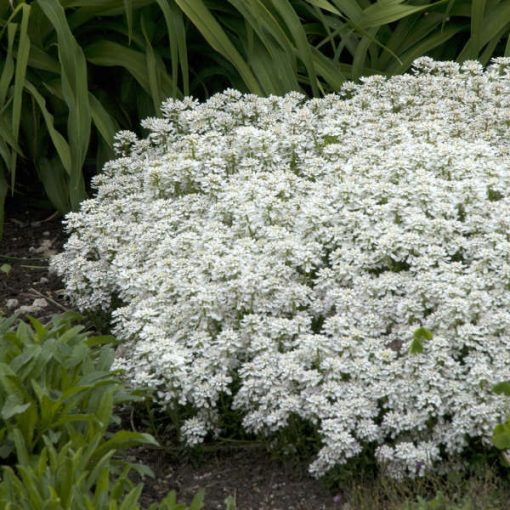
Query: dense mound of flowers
(345, 260)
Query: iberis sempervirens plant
(344, 260)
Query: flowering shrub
(345, 260)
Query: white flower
(294, 246)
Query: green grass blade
(104, 122)
(295, 27)
(75, 89)
(128, 8)
(151, 69)
(477, 21)
(8, 66)
(325, 5)
(55, 182)
(389, 11)
(23, 51)
(6, 134)
(4, 187)
(176, 32)
(351, 9)
(110, 54)
(209, 27)
(507, 47)
(59, 142)
(39, 59)
(428, 44)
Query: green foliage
(501, 434)
(57, 397)
(73, 72)
(420, 336)
(55, 381)
(67, 479)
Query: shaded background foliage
(73, 72)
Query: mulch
(251, 476)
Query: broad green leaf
(5, 268)
(128, 9)
(324, 4)
(41, 331)
(477, 21)
(383, 13)
(111, 54)
(293, 24)
(152, 70)
(422, 334)
(8, 65)
(22, 452)
(38, 59)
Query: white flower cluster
(287, 249)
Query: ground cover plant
(341, 261)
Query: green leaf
(104, 122)
(206, 23)
(501, 436)
(131, 500)
(40, 330)
(60, 143)
(5, 268)
(74, 81)
(22, 453)
(198, 501)
(13, 407)
(123, 439)
(502, 388)
(55, 182)
(23, 51)
(420, 336)
(176, 31)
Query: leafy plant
(69, 479)
(56, 382)
(57, 396)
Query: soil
(249, 475)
